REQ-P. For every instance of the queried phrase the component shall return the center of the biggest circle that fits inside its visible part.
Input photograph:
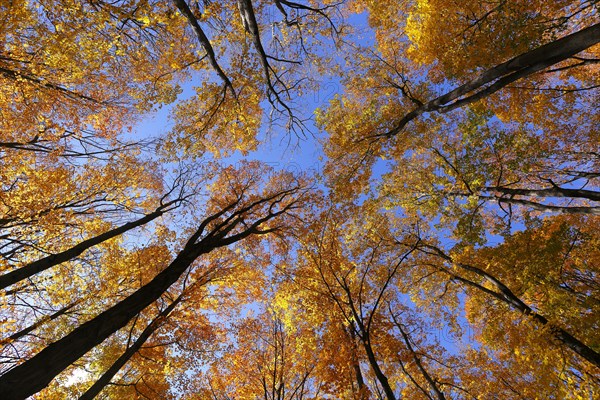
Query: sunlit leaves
(452, 255)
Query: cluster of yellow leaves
(463, 37)
(214, 121)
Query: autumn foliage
(443, 242)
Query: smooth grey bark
(504, 294)
(106, 377)
(52, 260)
(504, 74)
(543, 207)
(360, 381)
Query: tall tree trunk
(383, 380)
(504, 294)
(55, 259)
(549, 192)
(36, 373)
(129, 352)
(542, 207)
(358, 376)
(506, 73)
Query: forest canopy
(295, 200)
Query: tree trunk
(383, 380)
(360, 381)
(506, 73)
(36, 373)
(550, 192)
(507, 296)
(55, 259)
(124, 358)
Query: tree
(355, 281)
(448, 172)
(242, 213)
(270, 360)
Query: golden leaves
(317, 293)
(214, 121)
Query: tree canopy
(440, 241)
